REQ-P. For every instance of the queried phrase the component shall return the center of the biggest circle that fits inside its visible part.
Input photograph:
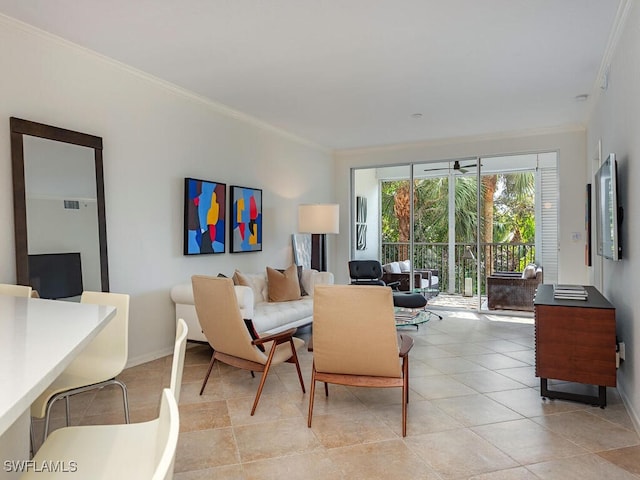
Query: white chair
(97, 365)
(177, 363)
(15, 290)
(135, 451)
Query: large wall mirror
(59, 214)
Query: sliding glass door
(458, 220)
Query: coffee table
(411, 318)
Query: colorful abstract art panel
(204, 216)
(246, 219)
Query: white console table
(38, 339)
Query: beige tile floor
(475, 412)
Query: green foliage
(513, 204)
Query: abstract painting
(204, 216)
(246, 219)
(361, 223)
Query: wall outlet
(621, 350)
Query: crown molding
(601, 82)
(533, 132)
(173, 88)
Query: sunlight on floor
(510, 319)
(464, 314)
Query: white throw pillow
(529, 271)
(395, 267)
(405, 266)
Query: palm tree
(506, 211)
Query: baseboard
(633, 414)
(148, 357)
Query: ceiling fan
(456, 166)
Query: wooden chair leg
(263, 379)
(405, 394)
(311, 395)
(294, 356)
(405, 374)
(206, 378)
(326, 389)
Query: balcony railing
(501, 257)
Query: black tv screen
(610, 213)
(56, 275)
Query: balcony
(505, 257)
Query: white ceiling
(350, 73)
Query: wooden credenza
(576, 342)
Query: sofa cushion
(283, 286)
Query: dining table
(38, 339)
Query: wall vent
(72, 205)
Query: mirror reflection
(60, 228)
(62, 218)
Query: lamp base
(319, 252)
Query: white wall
(570, 145)
(154, 135)
(616, 122)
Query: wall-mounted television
(609, 212)
(56, 275)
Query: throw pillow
(222, 275)
(303, 292)
(283, 286)
(529, 271)
(405, 266)
(395, 267)
(240, 279)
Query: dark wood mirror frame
(19, 128)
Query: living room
(156, 134)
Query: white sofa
(268, 317)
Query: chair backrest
(177, 364)
(166, 439)
(365, 272)
(112, 342)
(354, 331)
(15, 290)
(219, 315)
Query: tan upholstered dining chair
(355, 341)
(228, 335)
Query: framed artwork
(245, 234)
(204, 216)
(361, 223)
(301, 243)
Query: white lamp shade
(319, 218)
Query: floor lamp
(319, 220)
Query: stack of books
(569, 292)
